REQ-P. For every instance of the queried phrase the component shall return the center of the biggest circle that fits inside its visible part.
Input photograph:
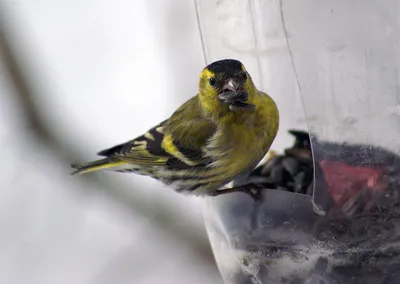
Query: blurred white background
(100, 73)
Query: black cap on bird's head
(229, 77)
(226, 66)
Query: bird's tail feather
(102, 164)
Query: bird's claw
(251, 189)
(254, 190)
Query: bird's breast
(237, 148)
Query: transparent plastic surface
(281, 240)
(341, 58)
(346, 55)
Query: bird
(222, 132)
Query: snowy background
(101, 73)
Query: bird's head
(225, 86)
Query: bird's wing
(177, 142)
(143, 150)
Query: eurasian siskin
(222, 132)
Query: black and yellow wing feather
(176, 143)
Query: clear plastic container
(341, 60)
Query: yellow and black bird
(217, 135)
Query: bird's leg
(252, 189)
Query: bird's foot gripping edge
(253, 190)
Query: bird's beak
(235, 96)
(231, 85)
(231, 92)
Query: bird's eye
(245, 76)
(212, 82)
